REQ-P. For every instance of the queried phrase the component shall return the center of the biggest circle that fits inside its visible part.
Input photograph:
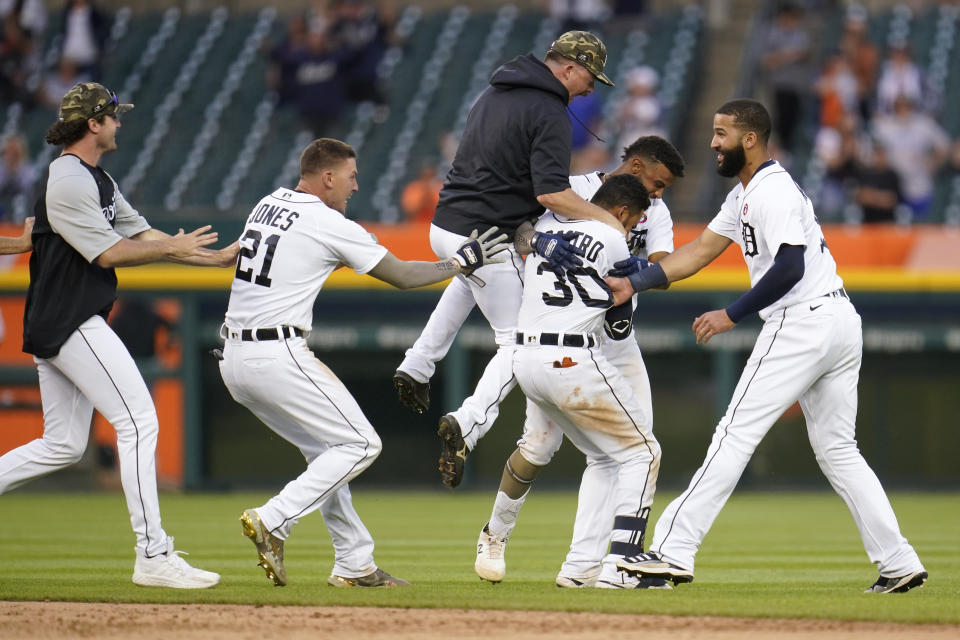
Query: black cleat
(413, 394)
(453, 452)
(898, 585)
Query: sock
(505, 512)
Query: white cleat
(170, 570)
(490, 564)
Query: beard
(733, 161)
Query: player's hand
(186, 245)
(227, 257)
(556, 249)
(621, 288)
(710, 324)
(627, 267)
(480, 250)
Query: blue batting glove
(628, 267)
(556, 249)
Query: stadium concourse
(233, 622)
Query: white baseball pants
(809, 352)
(300, 399)
(596, 408)
(94, 370)
(497, 289)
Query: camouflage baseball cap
(585, 49)
(89, 100)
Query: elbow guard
(618, 321)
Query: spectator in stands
(638, 113)
(900, 76)
(18, 59)
(785, 62)
(31, 15)
(918, 147)
(862, 58)
(85, 32)
(361, 33)
(17, 176)
(837, 90)
(56, 85)
(877, 192)
(838, 148)
(286, 57)
(586, 118)
(580, 14)
(320, 87)
(419, 197)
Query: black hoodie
(515, 147)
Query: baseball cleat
(625, 581)
(589, 579)
(170, 570)
(650, 565)
(453, 451)
(269, 547)
(898, 585)
(413, 394)
(566, 582)
(378, 578)
(490, 565)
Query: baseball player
(563, 372)
(513, 161)
(656, 163)
(809, 349)
(291, 243)
(84, 228)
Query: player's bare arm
(20, 244)
(153, 245)
(682, 263)
(568, 203)
(203, 257)
(523, 238)
(472, 254)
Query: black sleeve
(550, 153)
(786, 271)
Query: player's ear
(749, 140)
(622, 213)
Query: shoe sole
(408, 395)
(573, 583)
(453, 449)
(493, 578)
(142, 581)
(674, 574)
(251, 531)
(904, 584)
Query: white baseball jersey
(290, 244)
(652, 234)
(576, 299)
(809, 351)
(771, 211)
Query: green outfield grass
(768, 555)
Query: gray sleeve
(129, 222)
(73, 208)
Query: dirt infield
(46, 620)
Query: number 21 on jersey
(250, 247)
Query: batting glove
(556, 249)
(628, 267)
(480, 250)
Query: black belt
(553, 339)
(247, 335)
(839, 293)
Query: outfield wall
(908, 399)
